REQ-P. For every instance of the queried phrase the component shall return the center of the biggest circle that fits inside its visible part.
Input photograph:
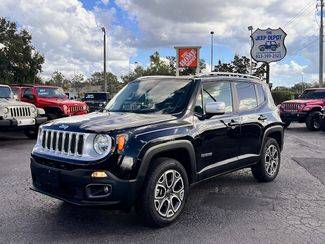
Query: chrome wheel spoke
(271, 160)
(169, 193)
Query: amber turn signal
(120, 141)
(98, 174)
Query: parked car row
(308, 109)
(25, 107)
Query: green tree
(157, 66)
(241, 65)
(19, 61)
(113, 85)
(58, 79)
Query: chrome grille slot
(16, 112)
(62, 142)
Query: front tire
(268, 167)
(165, 193)
(313, 121)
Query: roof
(3, 85)
(31, 85)
(316, 88)
(227, 75)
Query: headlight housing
(5, 110)
(102, 144)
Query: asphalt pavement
(230, 209)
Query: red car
(305, 109)
(51, 98)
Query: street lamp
(250, 28)
(105, 81)
(212, 33)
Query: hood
(104, 122)
(60, 101)
(13, 102)
(302, 101)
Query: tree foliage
(159, 66)
(19, 61)
(241, 65)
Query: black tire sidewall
(310, 121)
(259, 170)
(162, 165)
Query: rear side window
(246, 96)
(260, 94)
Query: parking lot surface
(229, 209)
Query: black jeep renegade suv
(156, 138)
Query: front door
(251, 100)
(216, 137)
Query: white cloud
(169, 22)
(69, 35)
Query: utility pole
(212, 33)
(250, 28)
(105, 81)
(321, 46)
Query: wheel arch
(180, 150)
(276, 132)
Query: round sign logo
(268, 45)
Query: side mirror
(15, 97)
(215, 108)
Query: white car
(17, 115)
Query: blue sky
(68, 32)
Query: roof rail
(226, 74)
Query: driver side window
(215, 92)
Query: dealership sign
(268, 45)
(187, 57)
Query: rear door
(216, 137)
(253, 119)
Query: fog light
(99, 174)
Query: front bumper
(13, 124)
(73, 186)
(293, 116)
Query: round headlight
(102, 144)
(84, 107)
(5, 110)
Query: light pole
(212, 33)
(250, 28)
(105, 81)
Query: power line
(305, 46)
(299, 13)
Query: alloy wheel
(169, 193)
(271, 160)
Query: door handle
(233, 123)
(262, 118)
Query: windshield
(168, 96)
(5, 92)
(95, 96)
(50, 92)
(313, 94)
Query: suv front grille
(291, 106)
(21, 111)
(74, 109)
(62, 142)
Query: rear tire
(165, 193)
(313, 121)
(268, 167)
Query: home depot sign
(187, 57)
